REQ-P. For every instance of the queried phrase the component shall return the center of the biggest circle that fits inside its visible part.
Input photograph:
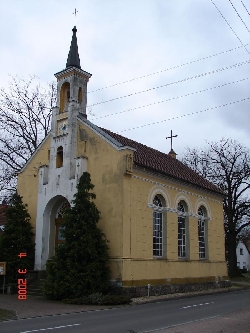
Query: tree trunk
(231, 255)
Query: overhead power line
(230, 26)
(186, 115)
(175, 82)
(168, 69)
(170, 99)
(239, 15)
(245, 7)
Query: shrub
(81, 265)
(17, 238)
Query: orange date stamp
(22, 283)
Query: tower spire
(73, 57)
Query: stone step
(35, 281)
(34, 290)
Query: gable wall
(243, 260)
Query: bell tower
(71, 101)
(71, 91)
(58, 180)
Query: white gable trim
(115, 144)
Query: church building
(163, 221)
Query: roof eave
(219, 193)
(70, 69)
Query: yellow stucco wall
(106, 166)
(27, 183)
(139, 190)
(126, 219)
(127, 222)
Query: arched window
(80, 95)
(182, 232)
(202, 232)
(157, 228)
(59, 157)
(64, 96)
(59, 238)
(62, 209)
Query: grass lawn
(242, 280)
(247, 275)
(7, 314)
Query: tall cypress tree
(80, 266)
(17, 238)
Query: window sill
(159, 258)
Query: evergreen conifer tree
(17, 238)
(80, 266)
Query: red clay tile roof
(155, 160)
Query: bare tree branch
(25, 114)
(227, 165)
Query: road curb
(162, 298)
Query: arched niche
(64, 96)
(80, 95)
(53, 207)
(59, 157)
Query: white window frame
(157, 227)
(182, 231)
(202, 232)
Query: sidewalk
(37, 306)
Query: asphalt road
(139, 318)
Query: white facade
(243, 256)
(58, 180)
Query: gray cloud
(122, 40)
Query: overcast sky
(172, 49)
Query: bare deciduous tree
(245, 232)
(227, 164)
(25, 112)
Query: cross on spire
(171, 137)
(75, 12)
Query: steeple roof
(73, 57)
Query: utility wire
(230, 27)
(245, 7)
(170, 99)
(186, 115)
(172, 83)
(239, 15)
(168, 69)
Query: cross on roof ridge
(171, 137)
